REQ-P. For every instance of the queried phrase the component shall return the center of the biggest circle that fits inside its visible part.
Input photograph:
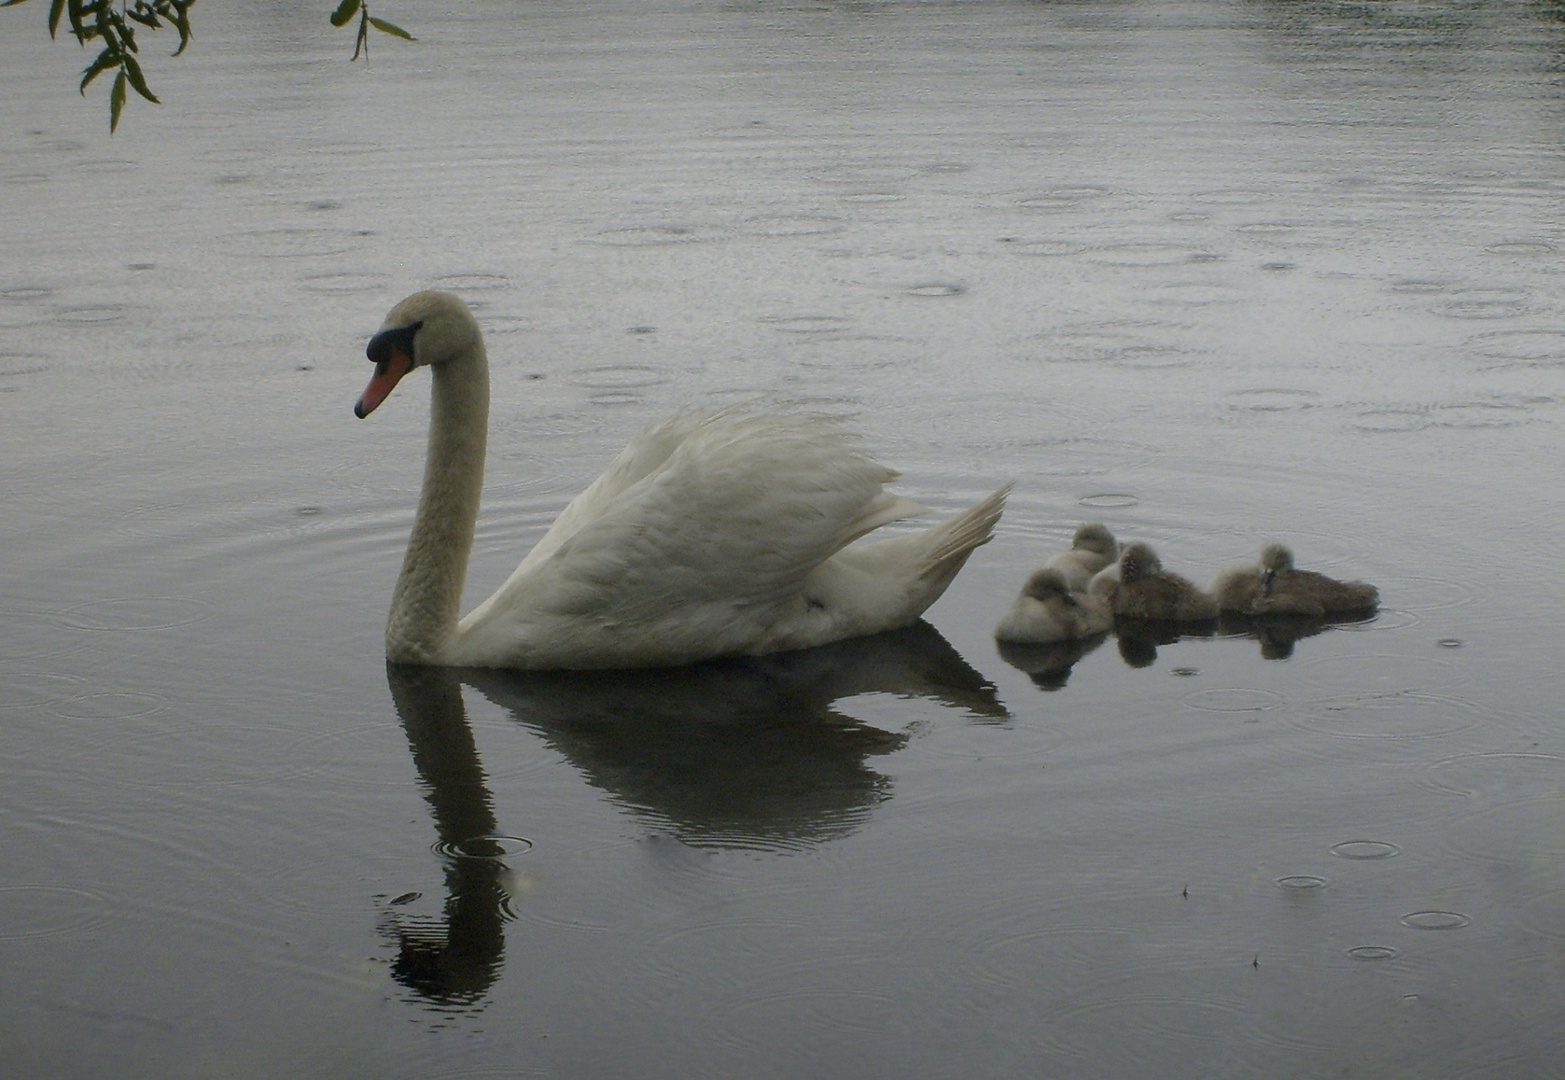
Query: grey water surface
(1213, 273)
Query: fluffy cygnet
(1147, 591)
(1093, 548)
(1274, 587)
(1048, 611)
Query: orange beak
(388, 372)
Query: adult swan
(709, 535)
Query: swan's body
(1147, 591)
(1274, 587)
(1048, 610)
(709, 535)
(1092, 549)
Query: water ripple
(1049, 249)
(786, 225)
(636, 236)
(1267, 399)
(1365, 849)
(1372, 952)
(344, 282)
(1533, 347)
(1146, 255)
(46, 911)
(1435, 920)
(1481, 303)
(1303, 882)
(1519, 833)
(292, 243)
(1382, 672)
(472, 282)
(1491, 774)
(1233, 699)
(1396, 715)
(137, 613)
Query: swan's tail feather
(953, 540)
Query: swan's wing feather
(703, 528)
(648, 450)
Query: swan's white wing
(647, 451)
(699, 531)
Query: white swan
(1048, 610)
(1092, 549)
(709, 535)
(1274, 587)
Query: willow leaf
(181, 20)
(345, 11)
(137, 80)
(116, 101)
(109, 57)
(391, 28)
(78, 20)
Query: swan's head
(1047, 584)
(1138, 561)
(1094, 536)
(426, 328)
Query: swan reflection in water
(744, 753)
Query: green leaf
(56, 9)
(133, 69)
(109, 57)
(391, 28)
(181, 21)
(78, 23)
(345, 11)
(12, 3)
(116, 101)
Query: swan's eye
(388, 342)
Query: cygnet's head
(1275, 557)
(1094, 536)
(426, 328)
(1045, 584)
(1138, 561)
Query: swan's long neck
(428, 597)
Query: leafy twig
(349, 8)
(108, 22)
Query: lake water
(1212, 273)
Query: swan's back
(709, 535)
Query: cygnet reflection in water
(1049, 666)
(1277, 634)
